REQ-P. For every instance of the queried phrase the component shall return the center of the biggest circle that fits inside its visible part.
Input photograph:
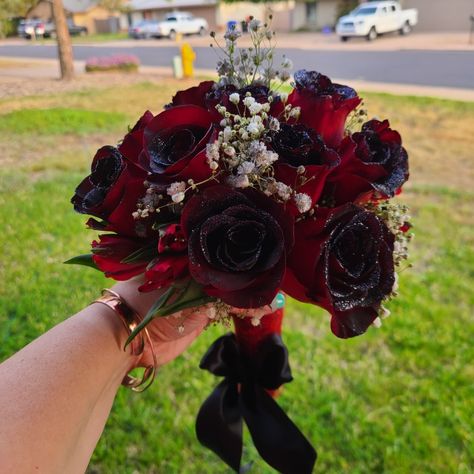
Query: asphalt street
(420, 67)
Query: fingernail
(278, 302)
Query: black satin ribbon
(242, 396)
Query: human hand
(172, 335)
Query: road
(429, 68)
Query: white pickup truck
(375, 18)
(181, 22)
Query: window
(365, 11)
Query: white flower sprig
(241, 149)
(242, 67)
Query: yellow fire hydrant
(187, 57)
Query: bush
(117, 62)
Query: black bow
(243, 395)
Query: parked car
(375, 18)
(181, 22)
(30, 28)
(74, 30)
(144, 29)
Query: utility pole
(64, 41)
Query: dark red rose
(374, 165)
(298, 145)
(343, 261)
(324, 105)
(111, 192)
(193, 96)
(238, 241)
(172, 261)
(132, 145)
(174, 143)
(110, 251)
(171, 145)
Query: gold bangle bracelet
(130, 320)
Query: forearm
(57, 392)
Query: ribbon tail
(219, 424)
(277, 439)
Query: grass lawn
(92, 38)
(399, 399)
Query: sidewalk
(40, 76)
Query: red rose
(172, 145)
(109, 253)
(298, 145)
(111, 193)
(132, 145)
(324, 105)
(172, 261)
(374, 164)
(193, 96)
(343, 261)
(238, 241)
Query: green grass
(396, 400)
(58, 121)
(92, 38)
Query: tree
(11, 10)
(346, 6)
(114, 6)
(63, 39)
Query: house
(439, 15)
(82, 12)
(288, 15)
(138, 10)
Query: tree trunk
(64, 41)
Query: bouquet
(242, 190)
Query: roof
(79, 6)
(135, 5)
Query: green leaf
(162, 300)
(162, 225)
(176, 298)
(190, 296)
(142, 255)
(85, 260)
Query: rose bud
(109, 253)
(172, 261)
(111, 192)
(298, 145)
(324, 105)
(374, 165)
(238, 241)
(342, 261)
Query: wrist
(130, 319)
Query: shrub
(116, 62)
